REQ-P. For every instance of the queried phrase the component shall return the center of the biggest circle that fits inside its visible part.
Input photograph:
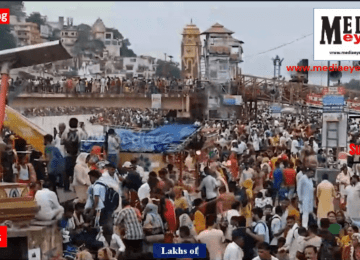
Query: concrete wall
(128, 100)
(47, 123)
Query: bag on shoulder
(111, 198)
(269, 222)
(72, 143)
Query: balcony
(235, 57)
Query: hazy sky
(154, 28)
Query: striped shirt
(133, 228)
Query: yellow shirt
(199, 221)
(274, 141)
(246, 212)
(181, 203)
(273, 161)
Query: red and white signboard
(334, 91)
(4, 16)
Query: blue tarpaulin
(162, 139)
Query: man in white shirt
(311, 240)
(291, 238)
(261, 231)
(276, 226)
(222, 141)
(242, 146)
(113, 147)
(234, 249)
(57, 140)
(264, 252)
(211, 185)
(50, 207)
(295, 146)
(213, 238)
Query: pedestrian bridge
(128, 100)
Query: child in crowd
(268, 199)
(116, 242)
(281, 255)
(67, 229)
(259, 200)
(185, 235)
(78, 215)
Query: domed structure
(99, 29)
(190, 52)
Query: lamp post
(277, 66)
(197, 170)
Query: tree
(353, 84)
(16, 8)
(85, 44)
(125, 51)
(116, 33)
(7, 39)
(36, 17)
(167, 69)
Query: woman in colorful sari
(167, 211)
(234, 168)
(346, 242)
(355, 248)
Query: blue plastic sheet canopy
(164, 139)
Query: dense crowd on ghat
(257, 194)
(128, 117)
(124, 117)
(111, 85)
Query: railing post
(5, 70)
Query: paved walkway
(65, 196)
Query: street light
(170, 58)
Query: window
(132, 60)
(72, 33)
(129, 67)
(107, 42)
(213, 74)
(223, 67)
(66, 33)
(114, 42)
(108, 36)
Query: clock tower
(190, 52)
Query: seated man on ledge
(50, 207)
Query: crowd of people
(124, 117)
(112, 85)
(258, 194)
(129, 117)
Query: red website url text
(323, 68)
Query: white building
(142, 66)
(112, 45)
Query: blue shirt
(278, 178)
(56, 165)
(96, 190)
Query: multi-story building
(45, 32)
(221, 53)
(190, 52)
(128, 67)
(112, 44)
(69, 34)
(26, 33)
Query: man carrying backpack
(275, 230)
(101, 203)
(71, 141)
(260, 232)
